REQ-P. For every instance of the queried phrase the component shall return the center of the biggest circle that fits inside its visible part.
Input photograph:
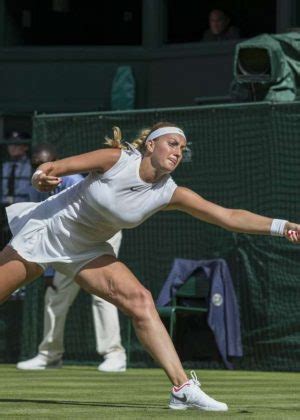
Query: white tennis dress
(71, 228)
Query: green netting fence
(240, 156)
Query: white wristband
(277, 227)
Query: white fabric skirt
(46, 241)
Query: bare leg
(108, 278)
(15, 272)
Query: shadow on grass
(140, 406)
(85, 403)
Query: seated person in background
(61, 293)
(220, 28)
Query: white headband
(164, 130)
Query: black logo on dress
(183, 399)
(139, 187)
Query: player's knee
(141, 305)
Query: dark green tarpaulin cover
(284, 55)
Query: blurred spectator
(220, 28)
(15, 177)
(16, 172)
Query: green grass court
(81, 392)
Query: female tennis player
(126, 185)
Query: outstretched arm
(47, 176)
(231, 219)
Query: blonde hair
(139, 141)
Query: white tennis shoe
(39, 362)
(113, 362)
(190, 395)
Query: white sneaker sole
(195, 407)
(112, 370)
(54, 366)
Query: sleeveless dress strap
(133, 149)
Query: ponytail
(139, 142)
